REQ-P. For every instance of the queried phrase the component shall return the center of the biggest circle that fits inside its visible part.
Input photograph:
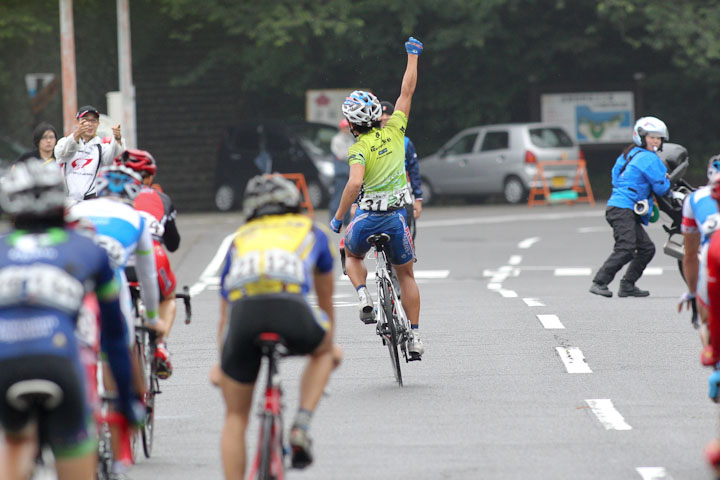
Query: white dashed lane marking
(550, 321)
(528, 242)
(653, 473)
(573, 272)
(515, 260)
(508, 293)
(607, 414)
(573, 359)
(532, 302)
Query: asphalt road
(526, 375)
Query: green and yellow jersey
(382, 152)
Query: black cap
(387, 107)
(85, 110)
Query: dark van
(273, 146)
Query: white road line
(494, 286)
(530, 217)
(508, 293)
(653, 473)
(550, 321)
(573, 272)
(593, 229)
(607, 414)
(213, 267)
(528, 242)
(533, 302)
(573, 359)
(653, 271)
(420, 275)
(515, 260)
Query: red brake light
(530, 157)
(582, 155)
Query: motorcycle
(676, 159)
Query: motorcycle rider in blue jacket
(637, 175)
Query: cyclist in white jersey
(123, 231)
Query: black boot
(628, 289)
(600, 289)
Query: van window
(550, 138)
(495, 141)
(463, 145)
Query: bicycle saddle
(29, 394)
(379, 239)
(269, 341)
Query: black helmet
(387, 107)
(270, 194)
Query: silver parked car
(499, 159)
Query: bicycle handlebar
(185, 295)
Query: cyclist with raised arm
(274, 262)
(377, 167)
(124, 232)
(160, 213)
(412, 167)
(45, 269)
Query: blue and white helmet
(713, 169)
(33, 189)
(362, 108)
(649, 125)
(118, 181)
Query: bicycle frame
(269, 458)
(394, 327)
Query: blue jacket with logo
(644, 175)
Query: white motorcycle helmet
(713, 169)
(649, 125)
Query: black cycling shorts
(287, 315)
(65, 428)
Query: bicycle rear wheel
(266, 444)
(148, 430)
(392, 344)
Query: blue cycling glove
(335, 225)
(413, 46)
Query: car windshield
(316, 138)
(550, 138)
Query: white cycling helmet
(647, 125)
(33, 189)
(713, 169)
(362, 108)
(270, 194)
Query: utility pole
(67, 53)
(127, 89)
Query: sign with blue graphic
(592, 117)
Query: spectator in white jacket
(82, 153)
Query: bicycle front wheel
(392, 341)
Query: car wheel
(427, 192)
(514, 190)
(315, 192)
(225, 198)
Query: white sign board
(324, 106)
(591, 117)
(34, 82)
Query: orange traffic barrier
(578, 193)
(301, 185)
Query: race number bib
(711, 223)
(114, 249)
(45, 285)
(276, 264)
(154, 226)
(383, 201)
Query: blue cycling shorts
(394, 223)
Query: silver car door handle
(500, 158)
(464, 162)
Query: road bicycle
(268, 463)
(393, 325)
(145, 339)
